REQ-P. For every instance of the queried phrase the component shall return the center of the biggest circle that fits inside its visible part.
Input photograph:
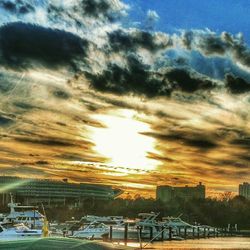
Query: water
(215, 243)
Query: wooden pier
(169, 233)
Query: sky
(132, 94)
(219, 16)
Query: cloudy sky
(126, 93)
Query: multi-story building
(49, 192)
(166, 193)
(244, 190)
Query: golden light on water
(121, 141)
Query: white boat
(108, 220)
(94, 230)
(98, 230)
(144, 227)
(92, 226)
(9, 231)
(28, 215)
(133, 233)
(177, 224)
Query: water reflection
(213, 243)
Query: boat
(177, 224)
(93, 227)
(96, 227)
(144, 227)
(133, 231)
(109, 220)
(98, 230)
(28, 215)
(10, 231)
(94, 230)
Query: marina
(24, 224)
(145, 227)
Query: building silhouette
(166, 193)
(244, 190)
(53, 192)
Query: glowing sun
(121, 141)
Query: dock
(169, 234)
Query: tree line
(209, 211)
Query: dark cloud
(161, 158)
(21, 41)
(6, 84)
(53, 142)
(237, 85)
(161, 79)
(202, 143)
(72, 157)
(8, 5)
(245, 157)
(185, 137)
(232, 163)
(42, 162)
(138, 78)
(56, 47)
(78, 11)
(17, 6)
(212, 44)
(61, 124)
(132, 40)
(188, 81)
(111, 10)
(208, 43)
(242, 142)
(95, 7)
(59, 93)
(23, 105)
(187, 39)
(5, 121)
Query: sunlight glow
(122, 142)
(6, 188)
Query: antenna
(43, 210)
(11, 205)
(11, 198)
